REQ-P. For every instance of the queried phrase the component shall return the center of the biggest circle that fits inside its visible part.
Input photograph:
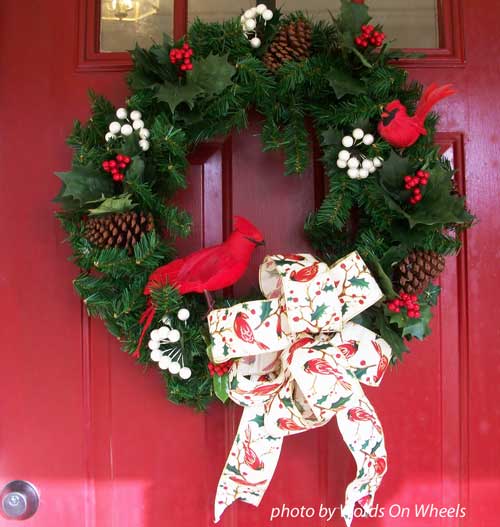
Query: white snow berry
(377, 162)
(261, 8)
(185, 373)
(250, 24)
(183, 314)
(163, 332)
(135, 115)
(121, 113)
(357, 133)
(363, 173)
(368, 139)
(353, 162)
(144, 144)
(174, 368)
(165, 362)
(137, 124)
(109, 136)
(255, 42)
(353, 173)
(250, 13)
(126, 129)
(154, 344)
(267, 14)
(344, 155)
(372, 170)
(341, 164)
(154, 335)
(347, 141)
(156, 355)
(174, 336)
(144, 133)
(367, 164)
(115, 127)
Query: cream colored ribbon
(300, 363)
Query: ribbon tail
(146, 320)
(250, 465)
(365, 440)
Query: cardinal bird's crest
(248, 230)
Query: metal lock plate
(19, 500)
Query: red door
(94, 432)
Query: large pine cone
(120, 229)
(292, 42)
(417, 271)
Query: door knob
(19, 500)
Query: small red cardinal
(348, 348)
(286, 423)
(296, 345)
(251, 458)
(322, 367)
(306, 274)
(383, 363)
(244, 332)
(208, 269)
(358, 414)
(401, 130)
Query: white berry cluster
(359, 166)
(249, 22)
(127, 126)
(165, 347)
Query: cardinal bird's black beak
(257, 243)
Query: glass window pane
(412, 23)
(125, 22)
(217, 10)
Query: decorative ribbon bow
(301, 363)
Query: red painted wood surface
(94, 432)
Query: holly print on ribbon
(301, 362)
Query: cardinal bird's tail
(431, 96)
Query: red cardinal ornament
(244, 332)
(251, 458)
(208, 269)
(398, 128)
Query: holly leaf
(376, 446)
(360, 372)
(440, 205)
(233, 469)
(340, 402)
(431, 294)
(175, 94)
(259, 419)
(321, 400)
(120, 203)
(287, 401)
(394, 339)
(136, 170)
(392, 173)
(221, 386)
(265, 311)
(319, 312)
(359, 282)
(344, 84)
(419, 327)
(83, 184)
(353, 16)
(213, 73)
(331, 137)
(344, 309)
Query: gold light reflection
(129, 10)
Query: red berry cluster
(219, 369)
(369, 36)
(410, 302)
(113, 166)
(421, 178)
(182, 57)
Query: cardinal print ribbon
(301, 362)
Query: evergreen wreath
(390, 199)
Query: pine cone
(292, 42)
(121, 229)
(417, 270)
